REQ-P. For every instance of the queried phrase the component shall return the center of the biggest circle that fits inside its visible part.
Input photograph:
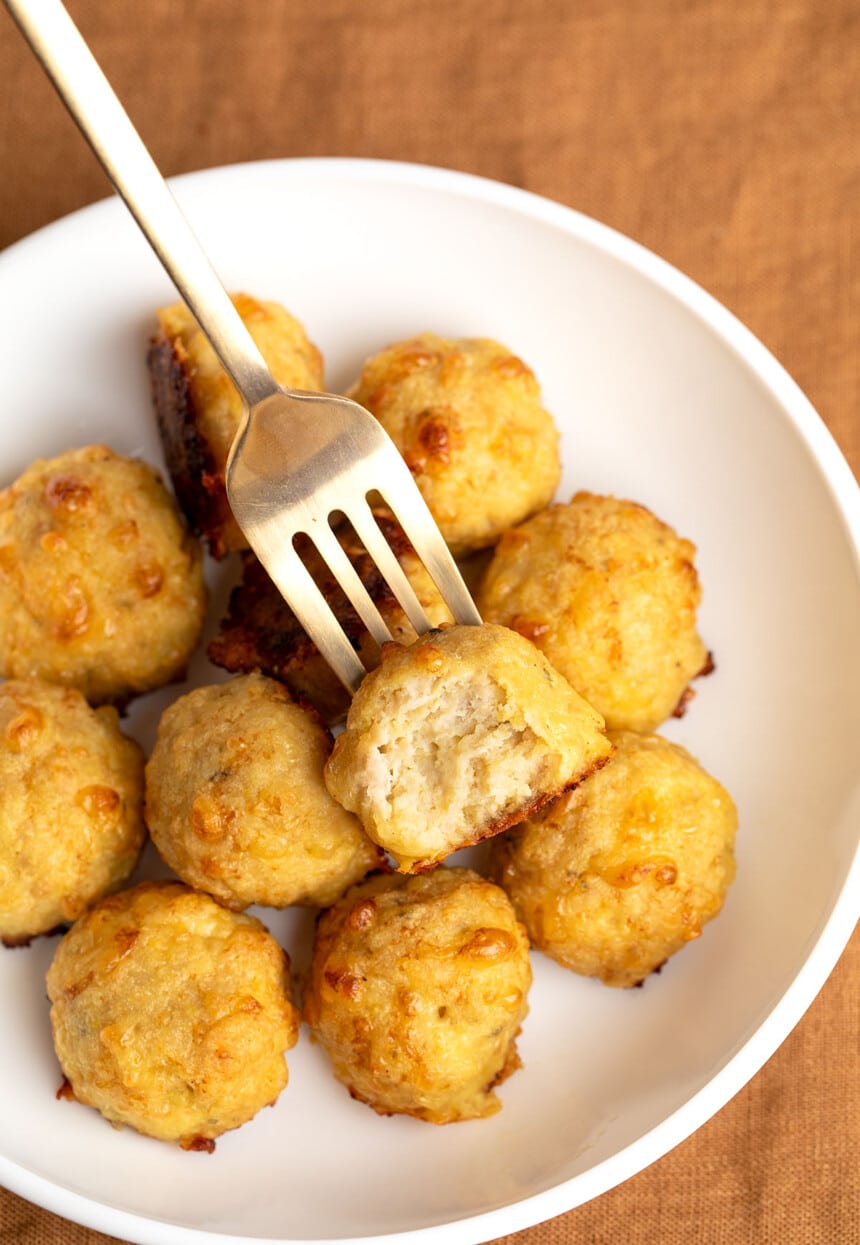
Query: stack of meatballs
(608, 847)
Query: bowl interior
(660, 397)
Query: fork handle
(90, 99)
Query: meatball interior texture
(171, 1014)
(417, 990)
(609, 593)
(71, 806)
(620, 874)
(457, 737)
(236, 803)
(199, 408)
(466, 415)
(101, 583)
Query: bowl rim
(837, 924)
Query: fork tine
(368, 531)
(413, 514)
(296, 585)
(346, 575)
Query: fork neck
(230, 339)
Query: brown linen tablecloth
(723, 134)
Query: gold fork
(298, 458)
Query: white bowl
(662, 397)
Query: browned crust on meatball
(261, 632)
(689, 692)
(65, 1093)
(197, 481)
(24, 940)
(510, 1066)
(512, 1063)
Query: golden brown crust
(71, 807)
(466, 415)
(417, 990)
(623, 872)
(199, 410)
(609, 593)
(689, 692)
(171, 1014)
(101, 583)
(261, 632)
(236, 803)
(196, 477)
(24, 940)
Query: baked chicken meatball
(609, 593)
(417, 991)
(261, 632)
(457, 737)
(236, 803)
(171, 1014)
(198, 408)
(71, 806)
(621, 873)
(101, 583)
(466, 415)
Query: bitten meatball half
(198, 408)
(236, 803)
(609, 593)
(466, 415)
(620, 874)
(456, 737)
(171, 1014)
(417, 991)
(101, 583)
(71, 806)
